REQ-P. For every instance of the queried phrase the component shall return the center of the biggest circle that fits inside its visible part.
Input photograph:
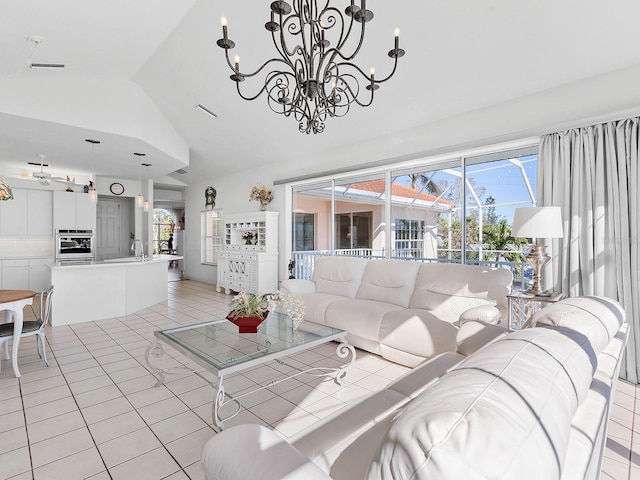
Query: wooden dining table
(13, 303)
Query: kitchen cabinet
(15, 274)
(73, 211)
(39, 273)
(13, 214)
(40, 213)
(249, 265)
(29, 213)
(26, 273)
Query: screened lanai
(455, 211)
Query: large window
(454, 210)
(163, 230)
(212, 234)
(421, 198)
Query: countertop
(112, 262)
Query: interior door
(108, 236)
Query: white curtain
(592, 173)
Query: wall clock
(117, 188)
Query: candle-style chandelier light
(313, 77)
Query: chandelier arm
(264, 87)
(354, 96)
(249, 75)
(393, 71)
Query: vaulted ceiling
(135, 69)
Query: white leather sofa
(404, 311)
(533, 404)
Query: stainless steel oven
(75, 245)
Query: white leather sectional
(533, 404)
(402, 310)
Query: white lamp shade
(139, 201)
(537, 222)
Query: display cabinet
(249, 258)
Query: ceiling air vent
(46, 65)
(181, 171)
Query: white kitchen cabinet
(13, 214)
(26, 273)
(39, 273)
(40, 213)
(29, 213)
(73, 211)
(249, 266)
(15, 274)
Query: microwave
(78, 245)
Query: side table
(522, 306)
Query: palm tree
(498, 237)
(426, 182)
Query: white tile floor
(95, 413)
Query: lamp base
(538, 258)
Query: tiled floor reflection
(94, 413)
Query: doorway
(112, 228)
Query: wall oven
(75, 245)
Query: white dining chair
(33, 327)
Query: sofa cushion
(315, 305)
(418, 332)
(596, 318)
(450, 289)
(389, 281)
(339, 275)
(446, 431)
(358, 317)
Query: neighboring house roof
(399, 190)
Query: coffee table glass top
(219, 345)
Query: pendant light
(140, 198)
(93, 193)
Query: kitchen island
(95, 290)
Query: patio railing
(306, 260)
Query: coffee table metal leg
(343, 351)
(155, 349)
(218, 401)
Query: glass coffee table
(219, 348)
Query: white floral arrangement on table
(292, 305)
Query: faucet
(135, 250)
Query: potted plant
(262, 194)
(248, 311)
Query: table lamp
(537, 223)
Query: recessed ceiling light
(206, 110)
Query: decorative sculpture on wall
(210, 197)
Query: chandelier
(313, 76)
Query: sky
(500, 179)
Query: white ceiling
(462, 56)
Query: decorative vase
(263, 205)
(247, 324)
(247, 241)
